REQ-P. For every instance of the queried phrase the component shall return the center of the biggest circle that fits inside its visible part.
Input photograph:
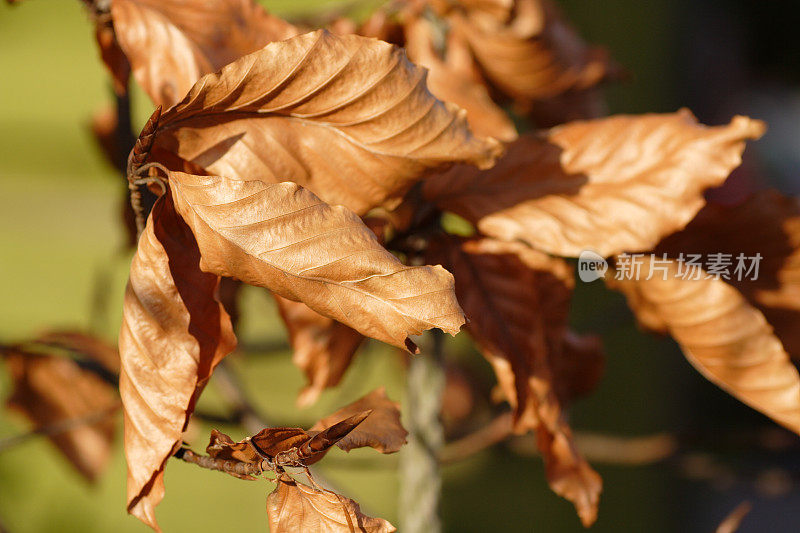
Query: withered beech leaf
(517, 302)
(286, 446)
(535, 54)
(609, 185)
(51, 391)
(348, 117)
(723, 336)
(767, 225)
(95, 348)
(282, 237)
(579, 367)
(296, 508)
(173, 334)
(322, 347)
(172, 43)
(382, 430)
(451, 83)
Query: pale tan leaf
(172, 43)
(724, 337)
(609, 185)
(54, 391)
(381, 430)
(732, 522)
(452, 83)
(347, 117)
(768, 224)
(297, 508)
(282, 237)
(535, 54)
(173, 334)
(517, 302)
(323, 348)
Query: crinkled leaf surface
(282, 237)
(348, 117)
(608, 185)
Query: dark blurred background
(700, 453)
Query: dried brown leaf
(768, 224)
(347, 117)
(535, 54)
(453, 83)
(173, 334)
(112, 55)
(517, 301)
(93, 347)
(611, 185)
(724, 337)
(282, 237)
(382, 430)
(323, 348)
(732, 522)
(51, 391)
(296, 508)
(171, 43)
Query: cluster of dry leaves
(318, 164)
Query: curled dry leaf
(723, 336)
(172, 43)
(295, 508)
(173, 334)
(282, 237)
(768, 224)
(382, 430)
(322, 347)
(347, 117)
(609, 185)
(517, 301)
(71, 404)
(453, 83)
(283, 446)
(535, 54)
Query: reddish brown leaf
(517, 301)
(611, 185)
(451, 82)
(112, 55)
(91, 346)
(172, 43)
(382, 430)
(347, 117)
(724, 337)
(323, 348)
(173, 334)
(294, 507)
(282, 237)
(578, 369)
(56, 393)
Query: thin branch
(496, 431)
(235, 468)
(59, 427)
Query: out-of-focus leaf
(173, 334)
(609, 185)
(55, 391)
(768, 224)
(91, 346)
(323, 348)
(517, 302)
(579, 367)
(172, 43)
(112, 55)
(382, 430)
(347, 117)
(450, 82)
(723, 336)
(732, 522)
(535, 54)
(282, 237)
(294, 507)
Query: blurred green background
(61, 242)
